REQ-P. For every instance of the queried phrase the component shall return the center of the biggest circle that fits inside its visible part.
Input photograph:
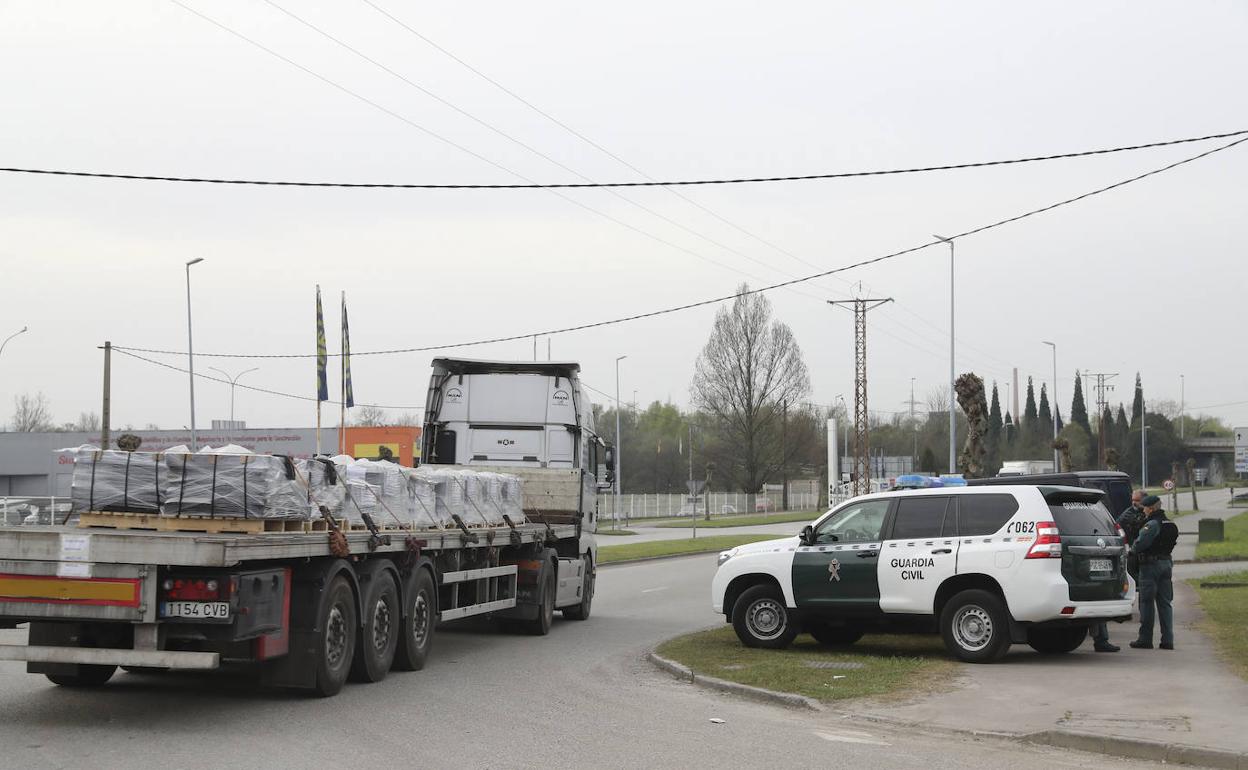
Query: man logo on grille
(834, 570)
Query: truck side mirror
(610, 457)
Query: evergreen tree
(994, 438)
(1060, 424)
(927, 461)
(1079, 409)
(1137, 405)
(1028, 423)
(1111, 430)
(1044, 414)
(1121, 426)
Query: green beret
(1151, 500)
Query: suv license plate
(197, 610)
(1101, 565)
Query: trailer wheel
(336, 639)
(540, 626)
(581, 611)
(88, 675)
(380, 629)
(419, 622)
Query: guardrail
(675, 506)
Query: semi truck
(313, 609)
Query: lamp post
(952, 376)
(233, 381)
(190, 346)
(619, 445)
(11, 336)
(1057, 465)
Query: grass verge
(743, 521)
(610, 553)
(1227, 617)
(875, 666)
(614, 532)
(1235, 546)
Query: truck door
(837, 576)
(918, 554)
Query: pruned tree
(970, 390)
(31, 414)
(749, 369)
(1062, 445)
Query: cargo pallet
(218, 526)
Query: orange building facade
(403, 442)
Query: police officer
(1131, 521)
(1154, 546)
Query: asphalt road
(581, 697)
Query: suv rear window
(1082, 518)
(984, 514)
(919, 517)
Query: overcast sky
(1148, 278)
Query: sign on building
(1241, 450)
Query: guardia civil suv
(986, 567)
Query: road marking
(861, 738)
(652, 590)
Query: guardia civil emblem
(834, 570)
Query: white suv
(987, 567)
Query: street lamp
(233, 381)
(1057, 465)
(619, 445)
(190, 348)
(952, 377)
(11, 336)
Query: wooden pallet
(153, 523)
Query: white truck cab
(987, 567)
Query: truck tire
(88, 675)
(761, 619)
(540, 626)
(1056, 641)
(834, 636)
(581, 611)
(419, 622)
(380, 628)
(976, 626)
(336, 638)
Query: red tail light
(1121, 533)
(1048, 543)
(196, 589)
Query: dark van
(1115, 484)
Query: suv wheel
(761, 620)
(975, 626)
(1056, 641)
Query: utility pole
(1102, 387)
(953, 425)
(1057, 462)
(107, 407)
(190, 346)
(914, 428)
(784, 455)
(1182, 407)
(619, 445)
(862, 451)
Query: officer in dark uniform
(1154, 546)
(1131, 521)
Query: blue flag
(322, 353)
(348, 394)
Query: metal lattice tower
(862, 430)
(1102, 387)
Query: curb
(684, 674)
(665, 557)
(1109, 745)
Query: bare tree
(370, 417)
(88, 422)
(31, 413)
(749, 370)
(409, 419)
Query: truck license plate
(198, 610)
(1101, 565)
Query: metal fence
(633, 507)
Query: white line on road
(862, 738)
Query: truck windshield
(1081, 518)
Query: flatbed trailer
(304, 609)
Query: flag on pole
(348, 394)
(322, 353)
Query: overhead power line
(590, 185)
(252, 387)
(725, 298)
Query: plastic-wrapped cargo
(378, 488)
(422, 500)
(481, 506)
(116, 480)
(449, 494)
(513, 497)
(326, 486)
(231, 482)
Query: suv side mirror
(807, 535)
(610, 458)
